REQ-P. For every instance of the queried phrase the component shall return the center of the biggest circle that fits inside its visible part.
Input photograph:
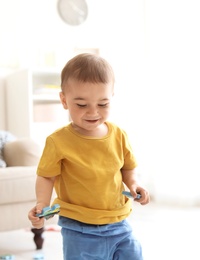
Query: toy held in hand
(129, 195)
(49, 212)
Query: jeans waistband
(103, 230)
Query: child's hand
(36, 221)
(145, 198)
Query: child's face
(88, 105)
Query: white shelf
(30, 111)
(46, 99)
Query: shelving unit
(33, 105)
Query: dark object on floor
(38, 239)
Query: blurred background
(153, 47)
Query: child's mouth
(92, 121)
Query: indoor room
(153, 47)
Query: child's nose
(92, 111)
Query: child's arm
(44, 188)
(129, 178)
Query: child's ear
(63, 100)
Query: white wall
(2, 105)
(154, 49)
(3, 73)
(169, 120)
(32, 31)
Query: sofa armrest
(22, 152)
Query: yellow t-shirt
(88, 174)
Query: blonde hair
(87, 67)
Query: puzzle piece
(129, 195)
(49, 212)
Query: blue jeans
(99, 242)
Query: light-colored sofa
(17, 187)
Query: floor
(165, 232)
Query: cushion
(5, 137)
(22, 152)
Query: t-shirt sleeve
(50, 161)
(129, 157)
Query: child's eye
(103, 105)
(80, 105)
